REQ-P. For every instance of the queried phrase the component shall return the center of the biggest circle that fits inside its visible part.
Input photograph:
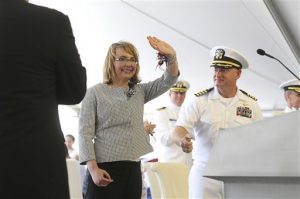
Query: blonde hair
(109, 72)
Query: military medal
(244, 111)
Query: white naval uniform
(164, 147)
(202, 117)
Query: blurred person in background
(165, 119)
(69, 141)
(291, 90)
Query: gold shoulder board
(203, 92)
(161, 108)
(252, 97)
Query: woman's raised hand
(161, 46)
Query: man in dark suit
(39, 68)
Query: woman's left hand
(162, 47)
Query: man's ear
(239, 72)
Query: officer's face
(293, 100)
(226, 77)
(177, 98)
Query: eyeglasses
(124, 60)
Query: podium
(260, 160)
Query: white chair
(152, 180)
(74, 179)
(172, 179)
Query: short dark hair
(71, 136)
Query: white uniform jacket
(165, 148)
(204, 115)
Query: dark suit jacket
(39, 69)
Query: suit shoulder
(161, 108)
(247, 94)
(203, 92)
(49, 19)
(44, 10)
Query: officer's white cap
(226, 57)
(180, 86)
(292, 84)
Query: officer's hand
(186, 143)
(149, 127)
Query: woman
(111, 131)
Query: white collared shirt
(203, 116)
(165, 148)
